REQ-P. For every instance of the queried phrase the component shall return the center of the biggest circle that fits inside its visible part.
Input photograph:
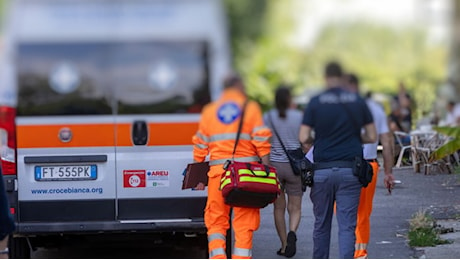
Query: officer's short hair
(353, 79)
(232, 80)
(333, 69)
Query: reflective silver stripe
(216, 252)
(261, 138)
(229, 136)
(202, 137)
(361, 246)
(242, 252)
(240, 159)
(216, 236)
(201, 146)
(258, 128)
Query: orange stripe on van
(94, 135)
(83, 135)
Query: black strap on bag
(300, 166)
(240, 125)
(238, 133)
(281, 142)
(277, 135)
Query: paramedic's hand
(199, 186)
(389, 181)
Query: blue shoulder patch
(228, 112)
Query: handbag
(296, 157)
(299, 163)
(249, 185)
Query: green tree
(381, 55)
(384, 56)
(246, 21)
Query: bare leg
(280, 223)
(294, 210)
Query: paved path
(439, 193)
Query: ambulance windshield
(112, 77)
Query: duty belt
(333, 164)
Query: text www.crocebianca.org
(68, 190)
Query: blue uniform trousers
(339, 186)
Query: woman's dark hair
(282, 100)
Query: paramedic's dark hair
(232, 80)
(333, 69)
(282, 100)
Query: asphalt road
(390, 223)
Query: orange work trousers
(363, 223)
(217, 215)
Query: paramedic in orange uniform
(363, 224)
(216, 136)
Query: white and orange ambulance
(99, 100)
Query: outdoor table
(424, 143)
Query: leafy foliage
(450, 147)
(380, 55)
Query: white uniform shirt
(381, 125)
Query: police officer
(216, 136)
(336, 116)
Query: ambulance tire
(202, 247)
(18, 248)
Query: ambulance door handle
(139, 132)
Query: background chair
(399, 136)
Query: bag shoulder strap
(240, 125)
(276, 133)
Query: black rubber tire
(19, 248)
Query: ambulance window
(161, 77)
(62, 79)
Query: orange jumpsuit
(216, 136)
(363, 223)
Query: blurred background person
(452, 117)
(285, 120)
(405, 108)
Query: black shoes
(290, 247)
(291, 244)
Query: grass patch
(423, 231)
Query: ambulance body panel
(99, 100)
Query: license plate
(66, 173)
